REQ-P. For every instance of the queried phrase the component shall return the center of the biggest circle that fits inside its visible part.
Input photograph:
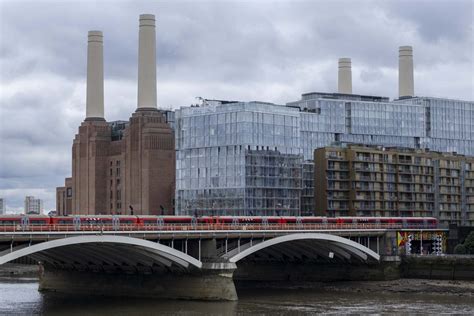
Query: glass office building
(218, 144)
(238, 158)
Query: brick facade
(134, 173)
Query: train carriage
(150, 222)
(24, 222)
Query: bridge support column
(212, 282)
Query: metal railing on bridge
(202, 227)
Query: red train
(162, 222)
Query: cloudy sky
(241, 50)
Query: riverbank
(406, 286)
(413, 286)
(14, 270)
(446, 267)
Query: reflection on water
(22, 298)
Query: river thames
(21, 297)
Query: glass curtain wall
(238, 159)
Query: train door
(299, 222)
(235, 222)
(76, 222)
(115, 222)
(25, 223)
(325, 221)
(160, 223)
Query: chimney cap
(344, 60)
(147, 17)
(405, 50)
(95, 37)
(95, 33)
(147, 20)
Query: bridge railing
(198, 227)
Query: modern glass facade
(238, 159)
(426, 123)
(214, 142)
(449, 124)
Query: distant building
(3, 206)
(376, 181)
(33, 205)
(64, 198)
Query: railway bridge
(198, 262)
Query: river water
(21, 297)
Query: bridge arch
(342, 247)
(105, 249)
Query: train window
(8, 222)
(38, 222)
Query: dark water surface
(21, 297)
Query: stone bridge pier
(212, 282)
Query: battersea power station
(121, 167)
(326, 154)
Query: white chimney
(147, 62)
(344, 81)
(95, 76)
(405, 72)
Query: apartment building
(357, 180)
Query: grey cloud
(436, 20)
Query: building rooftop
(343, 96)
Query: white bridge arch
(111, 250)
(292, 244)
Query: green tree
(469, 243)
(460, 249)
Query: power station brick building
(125, 167)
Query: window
(69, 192)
